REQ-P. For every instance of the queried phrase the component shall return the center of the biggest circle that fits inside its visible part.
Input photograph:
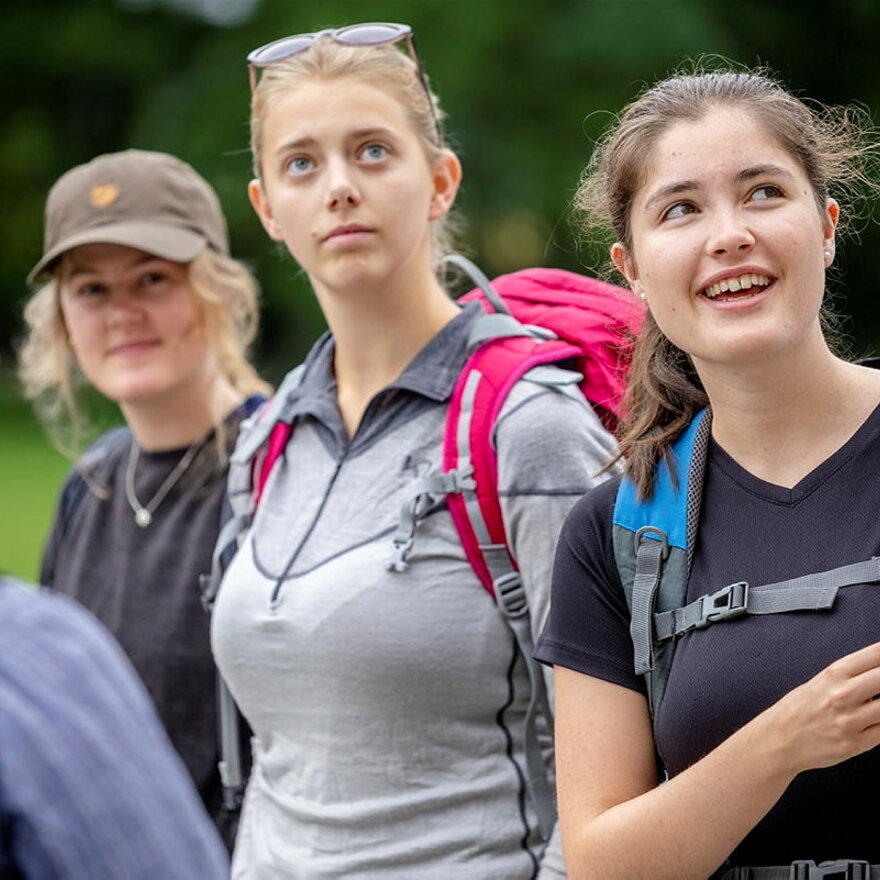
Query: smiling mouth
(740, 287)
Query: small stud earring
(642, 295)
(827, 254)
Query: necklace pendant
(143, 517)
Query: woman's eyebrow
(760, 170)
(745, 174)
(672, 189)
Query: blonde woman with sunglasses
(387, 705)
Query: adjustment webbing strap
(432, 485)
(506, 587)
(226, 539)
(810, 592)
(650, 554)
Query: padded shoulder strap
(480, 391)
(469, 461)
(667, 508)
(653, 546)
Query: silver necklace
(143, 513)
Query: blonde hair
(226, 295)
(383, 66)
(833, 147)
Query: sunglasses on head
(373, 33)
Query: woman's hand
(833, 716)
(617, 823)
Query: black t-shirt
(726, 674)
(143, 583)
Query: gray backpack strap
(253, 434)
(810, 592)
(512, 601)
(504, 581)
(652, 550)
(513, 604)
(229, 738)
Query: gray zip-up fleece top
(387, 707)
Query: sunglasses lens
(371, 34)
(281, 49)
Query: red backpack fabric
(596, 324)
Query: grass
(31, 473)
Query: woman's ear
(625, 264)
(447, 177)
(829, 226)
(260, 203)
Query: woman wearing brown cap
(144, 303)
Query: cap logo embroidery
(103, 195)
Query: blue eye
(679, 209)
(374, 153)
(300, 165)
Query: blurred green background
(527, 85)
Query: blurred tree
(528, 85)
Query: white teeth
(743, 282)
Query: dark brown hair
(834, 147)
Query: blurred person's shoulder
(28, 611)
(41, 629)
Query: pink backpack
(534, 318)
(594, 323)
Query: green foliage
(30, 474)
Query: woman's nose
(730, 235)
(341, 188)
(124, 306)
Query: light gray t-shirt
(388, 707)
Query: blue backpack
(654, 542)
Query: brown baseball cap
(150, 201)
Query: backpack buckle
(842, 869)
(727, 603)
(510, 595)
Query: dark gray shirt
(143, 583)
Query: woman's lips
(348, 233)
(137, 347)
